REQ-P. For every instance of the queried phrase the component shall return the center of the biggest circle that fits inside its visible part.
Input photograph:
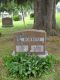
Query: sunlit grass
(20, 23)
(17, 26)
(58, 19)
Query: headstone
(7, 22)
(31, 41)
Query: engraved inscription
(34, 39)
(35, 48)
(21, 48)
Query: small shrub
(16, 18)
(26, 66)
(32, 15)
(0, 34)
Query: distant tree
(22, 4)
(57, 1)
(6, 5)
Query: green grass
(20, 23)
(17, 26)
(58, 19)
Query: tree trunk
(43, 12)
(23, 18)
(50, 16)
(54, 20)
(38, 20)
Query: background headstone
(7, 22)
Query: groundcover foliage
(25, 66)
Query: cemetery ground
(6, 48)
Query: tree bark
(54, 20)
(38, 17)
(50, 16)
(23, 18)
(43, 15)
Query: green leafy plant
(25, 66)
(16, 18)
(32, 15)
(0, 34)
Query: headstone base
(40, 55)
(43, 55)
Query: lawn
(58, 19)
(7, 45)
(17, 26)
